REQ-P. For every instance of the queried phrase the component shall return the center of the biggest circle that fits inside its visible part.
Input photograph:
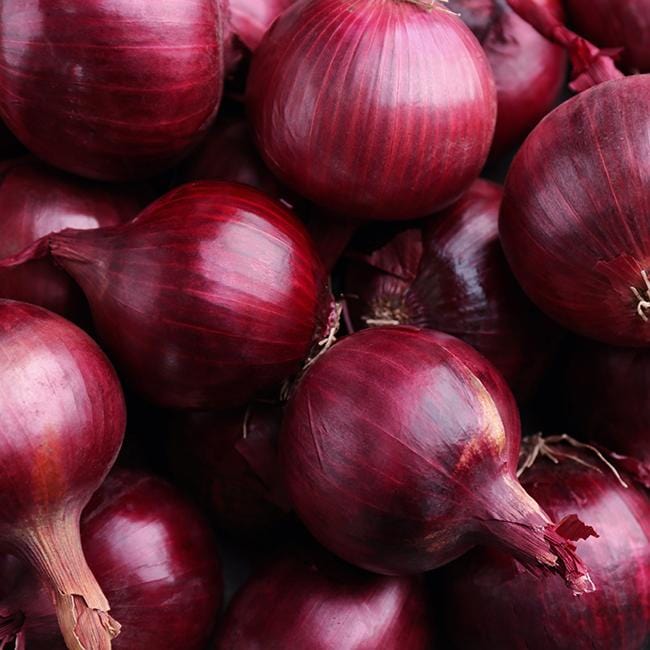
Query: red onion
(449, 274)
(493, 604)
(529, 71)
(212, 294)
(311, 600)
(37, 201)
(251, 19)
(156, 560)
(61, 425)
(110, 89)
(608, 392)
(400, 448)
(229, 460)
(575, 220)
(384, 109)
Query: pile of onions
(213, 293)
(229, 460)
(36, 201)
(449, 274)
(394, 99)
(608, 390)
(433, 431)
(529, 71)
(61, 425)
(575, 219)
(493, 604)
(110, 89)
(154, 557)
(311, 600)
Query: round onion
(394, 100)
(61, 425)
(400, 448)
(36, 201)
(575, 220)
(449, 274)
(311, 600)
(493, 604)
(110, 89)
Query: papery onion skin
(312, 600)
(36, 200)
(395, 102)
(110, 89)
(433, 430)
(61, 425)
(575, 221)
(251, 19)
(493, 604)
(449, 274)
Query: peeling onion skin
(575, 219)
(110, 89)
(493, 604)
(317, 602)
(36, 200)
(369, 89)
(450, 274)
(412, 412)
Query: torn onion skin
(399, 449)
(449, 273)
(575, 218)
(394, 100)
(61, 426)
(310, 599)
(492, 603)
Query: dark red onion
(575, 220)
(493, 604)
(229, 460)
(213, 293)
(9, 146)
(449, 274)
(608, 392)
(154, 557)
(400, 448)
(35, 201)
(385, 110)
(110, 89)
(61, 425)
(311, 600)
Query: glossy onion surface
(110, 89)
(372, 108)
(575, 220)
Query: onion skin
(251, 19)
(314, 601)
(61, 426)
(110, 89)
(395, 134)
(449, 274)
(574, 219)
(435, 436)
(493, 604)
(37, 200)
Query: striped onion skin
(378, 109)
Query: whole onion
(400, 448)
(35, 201)
(493, 604)
(156, 560)
(529, 71)
(110, 89)
(212, 294)
(61, 425)
(229, 460)
(378, 109)
(311, 600)
(575, 219)
(449, 273)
